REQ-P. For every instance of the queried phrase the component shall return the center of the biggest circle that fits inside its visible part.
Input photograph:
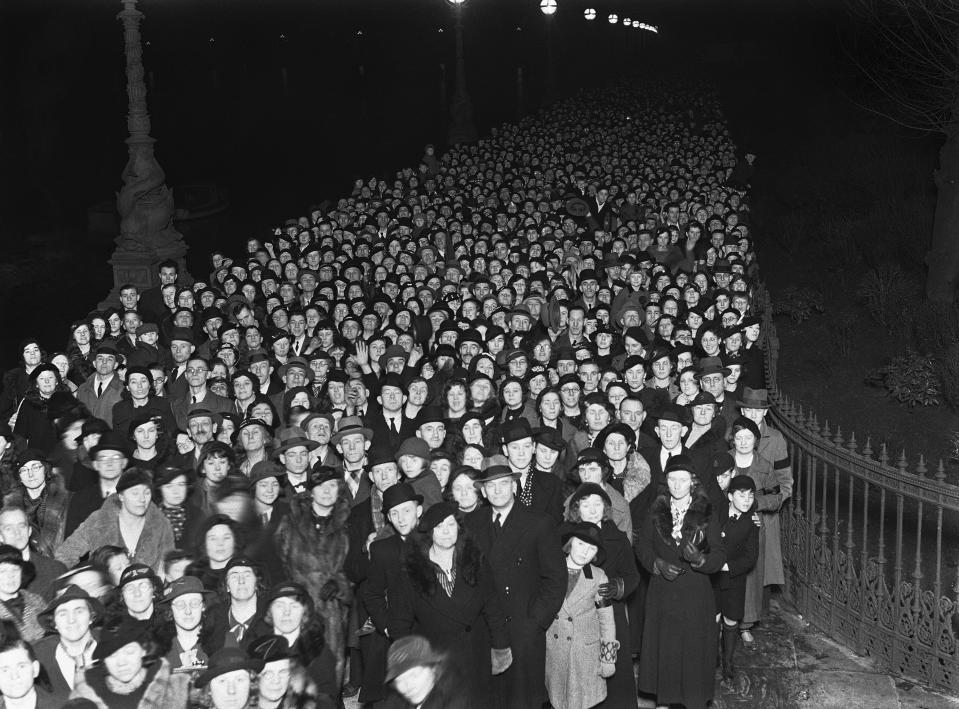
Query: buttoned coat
(530, 577)
(101, 407)
(573, 641)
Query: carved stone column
(145, 204)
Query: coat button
(469, 628)
(508, 619)
(556, 636)
(570, 620)
(568, 638)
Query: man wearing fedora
(403, 508)
(71, 615)
(538, 490)
(387, 421)
(293, 453)
(109, 457)
(352, 440)
(712, 378)
(295, 373)
(529, 572)
(771, 446)
(15, 531)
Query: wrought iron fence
(870, 545)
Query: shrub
(910, 378)
(947, 367)
(843, 329)
(798, 303)
(936, 327)
(890, 296)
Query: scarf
(678, 510)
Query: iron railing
(870, 546)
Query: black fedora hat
(398, 494)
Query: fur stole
(694, 523)
(422, 572)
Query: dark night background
(220, 115)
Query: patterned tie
(526, 494)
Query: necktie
(193, 399)
(99, 389)
(393, 426)
(497, 525)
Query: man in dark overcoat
(529, 571)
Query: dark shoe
(350, 691)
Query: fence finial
(867, 449)
(813, 423)
(838, 439)
(903, 464)
(941, 472)
(826, 433)
(921, 467)
(851, 443)
(884, 455)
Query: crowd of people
(490, 434)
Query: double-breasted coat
(678, 659)
(573, 642)
(530, 577)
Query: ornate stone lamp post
(462, 128)
(548, 8)
(147, 235)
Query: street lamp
(613, 19)
(635, 24)
(462, 128)
(144, 203)
(627, 22)
(548, 8)
(589, 14)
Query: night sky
(220, 113)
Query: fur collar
(422, 572)
(696, 519)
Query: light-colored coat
(573, 679)
(101, 407)
(103, 527)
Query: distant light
(282, 36)
(636, 23)
(149, 43)
(212, 40)
(589, 13)
(649, 28)
(547, 7)
(518, 28)
(456, 2)
(440, 30)
(359, 33)
(613, 19)
(627, 22)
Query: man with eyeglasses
(109, 458)
(198, 396)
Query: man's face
(196, 372)
(296, 459)
(434, 433)
(131, 321)
(519, 453)
(105, 364)
(167, 275)
(353, 447)
(243, 388)
(500, 491)
(404, 517)
(262, 371)
(576, 322)
(391, 399)
(713, 383)
(297, 324)
(129, 298)
(384, 475)
(670, 434)
(201, 429)
(180, 351)
(15, 529)
(109, 464)
(17, 674)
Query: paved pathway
(793, 666)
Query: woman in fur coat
(313, 542)
(449, 597)
(679, 543)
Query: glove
(608, 652)
(501, 659)
(611, 589)
(329, 590)
(691, 554)
(668, 571)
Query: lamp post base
(139, 268)
(462, 128)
